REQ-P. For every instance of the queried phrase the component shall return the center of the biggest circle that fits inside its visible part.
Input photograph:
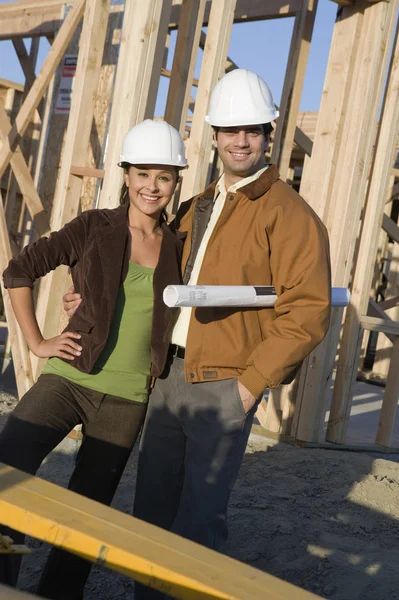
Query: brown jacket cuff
(253, 381)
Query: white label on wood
(64, 99)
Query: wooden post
(28, 66)
(24, 179)
(37, 90)
(213, 65)
(66, 204)
(20, 352)
(293, 84)
(134, 78)
(384, 346)
(338, 170)
(188, 35)
(390, 401)
(381, 172)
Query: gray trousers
(43, 417)
(191, 449)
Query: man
(248, 228)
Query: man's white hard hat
(241, 97)
(153, 142)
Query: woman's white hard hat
(153, 142)
(241, 97)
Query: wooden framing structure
(347, 158)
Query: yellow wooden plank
(130, 546)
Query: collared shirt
(180, 331)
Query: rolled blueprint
(234, 295)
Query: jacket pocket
(236, 395)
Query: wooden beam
(43, 18)
(303, 141)
(148, 554)
(37, 90)
(374, 212)
(391, 303)
(381, 325)
(185, 56)
(132, 84)
(345, 135)
(30, 19)
(390, 400)
(20, 352)
(199, 144)
(67, 201)
(293, 84)
(168, 73)
(27, 66)
(246, 11)
(87, 172)
(391, 228)
(153, 72)
(6, 83)
(24, 179)
(230, 64)
(316, 187)
(375, 310)
(395, 190)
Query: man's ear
(214, 138)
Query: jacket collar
(253, 190)
(118, 217)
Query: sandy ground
(325, 520)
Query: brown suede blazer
(95, 247)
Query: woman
(100, 366)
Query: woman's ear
(126, 178)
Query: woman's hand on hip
(61, 346)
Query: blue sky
(261, 46)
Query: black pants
(191, 450)
(40, 421)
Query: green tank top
(123, 368)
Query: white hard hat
(241, 97)
(153, 142)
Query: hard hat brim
(240, 122)
(128, 161)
